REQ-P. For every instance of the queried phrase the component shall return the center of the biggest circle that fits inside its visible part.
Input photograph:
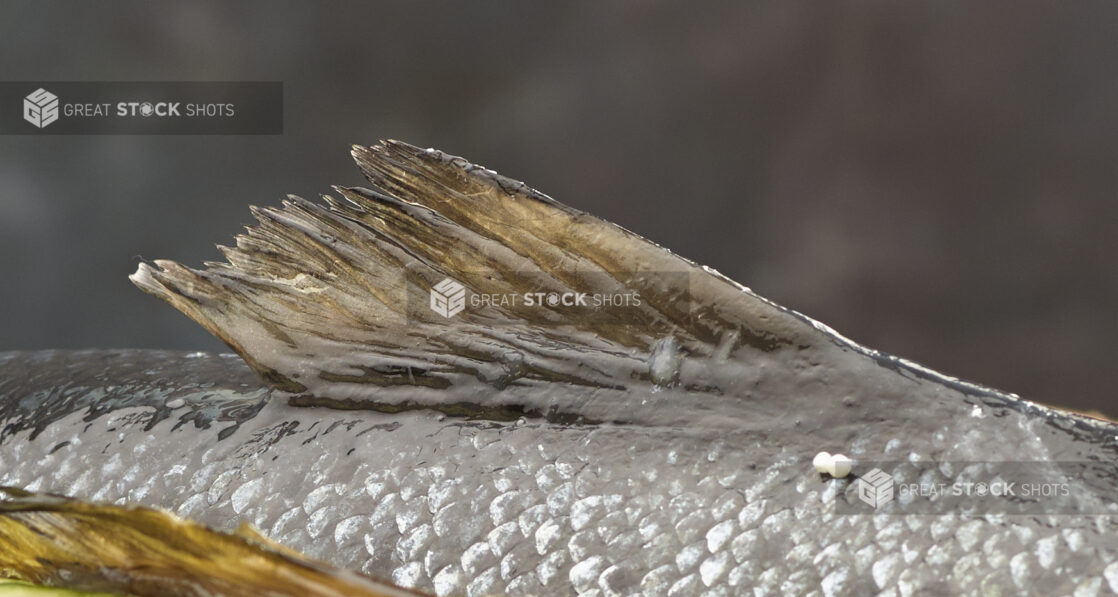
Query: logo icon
(448, 298)
(40, 108)
(876, 488)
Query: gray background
(934, 179)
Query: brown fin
(56, 541)
(332, 300)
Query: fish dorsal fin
(448, 284)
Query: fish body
(459, 506)
(667, 453)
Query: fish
(48, 540)
(455, 383)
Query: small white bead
(837, 466)
(822, 462)
(840, 466)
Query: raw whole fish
(455, 383)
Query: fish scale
(468, 507)
(664, 448)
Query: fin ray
(322, 298)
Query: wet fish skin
(197, 389)
(474, 507)
(666, 452)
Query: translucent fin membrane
(330, 300)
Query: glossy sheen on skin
(663, 450)
(472, 507)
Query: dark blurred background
(933, 179)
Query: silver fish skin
(458, 506)
(666, 453)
